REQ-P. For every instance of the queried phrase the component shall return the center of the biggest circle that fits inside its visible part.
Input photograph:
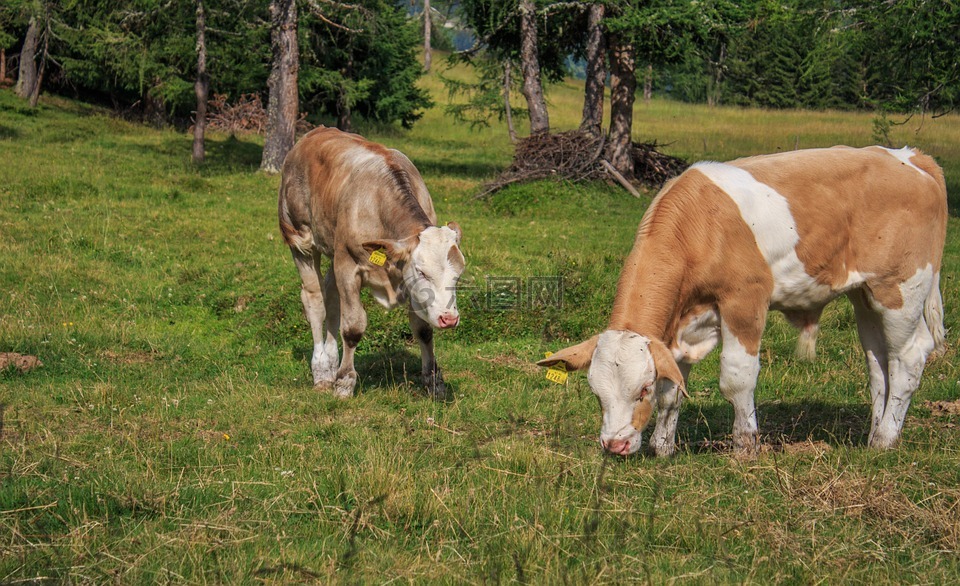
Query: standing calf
(367, 209)
(725, 242)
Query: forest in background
(771, 53)
(327, 61)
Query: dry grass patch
(879, 499)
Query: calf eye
(644, 391)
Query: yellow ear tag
(556, 373)
(378, 257)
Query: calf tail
(301, 240)
(807, 343)
(933, 316)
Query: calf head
(625, 368)
(431, 263)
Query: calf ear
(575, 357)
(456, 228)
(665, 364)
(643, 412)
(396, 250)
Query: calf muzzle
(448, 320)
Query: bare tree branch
(317, 11)
(560, 6)
(315, 5)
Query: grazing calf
(366, 208)
(725, 242)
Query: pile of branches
(579, 156)
(245, 115)
(242, 116)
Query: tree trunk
(530, 66)
(44, 54)
(3, 65)
(508, 111)
(592, 122)
(27, 77)
(344, 114)
(713, 93)
(282, 108)
(154, 110)
(648, 84)
(344, 104)
(201, 87)
(427, 51)
(623, 85)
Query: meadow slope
(172, 433)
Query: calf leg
(740, 330)
(909, 342)
(870, 329)
(432, 378)
(323, 363)
(663, 440)
(352, 322)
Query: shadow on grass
(384, 369)
(953, 197)
(231, 153)
(224, 154)
(783, 426)
(8, 132)
(473, 170)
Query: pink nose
(619, 447)
(448, 320)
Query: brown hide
(860, 210)
(856, 210)
(340, 190)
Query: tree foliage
(142, 52)
(364, 59)
(361, 57)
(898, 55)
(140, 55)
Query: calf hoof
(342, 390)
(435, 386)
(344, 386)
(745, 443)
(324, 386)
(882, 442)
(663, 448)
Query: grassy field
(172, 433)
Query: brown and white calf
(725, 242)
(344, 197)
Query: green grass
(172, 434)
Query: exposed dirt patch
(943, 408)
(21, 362)
(139, 357)
(242, 303)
